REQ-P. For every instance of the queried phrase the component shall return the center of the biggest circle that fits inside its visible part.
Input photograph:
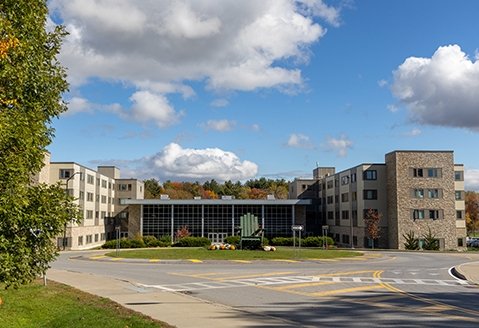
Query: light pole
(65, 227)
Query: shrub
(431, 243)
(193, 242)
(411, 242)
(164, 241)
(233, 240)
(137, 242)
(282, 241)
(316, 241)
(109, 244)
(265, 241)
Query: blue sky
(195, 90)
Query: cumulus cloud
(176, 163)
(471, 179)
(221, 102)
(339, 145)
(441, 90)
(298, 140)
(392, 108)
(219, 125)
(227, 44)
(413, 133)
(146, 107)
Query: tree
(31, 84)
(472, 211)
(373, 230)
(152, 189)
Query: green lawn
(61, 306)
(204, 254)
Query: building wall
(403, 188)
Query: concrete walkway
(176, 309)
(469, 271)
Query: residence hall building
(97, 194)
(213, 218)
(413, 191)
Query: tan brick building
(413, 191)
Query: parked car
(472, 242)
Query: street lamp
(65, 227)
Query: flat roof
(217, 201)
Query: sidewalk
(470, 271)
(176, 309)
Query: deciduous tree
(371, 220)
(31, 84)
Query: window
(103, 214)
(433, 193)
(97, 198)
(102, 236)
(345, 180)
(370, 194)
(109, 200)
(104, 183)
(370, 175)
(434, 214)
(344, 197)
(98, 182)
(330, 184)
(103, 199)
(303, 187)
(330, 199)
(353, 177)
(65, 173)
(459, 215)
(418, 214)
(89, 214)
(458, 176)
(82, 195)
(80, 240)
(97, 214)
(459, 195)
(354, 196)
(89, 197)
(336, 182)
(330, 215)
(345, 215)
(460, 242)
(96, 238)
(419, 193)
(89, 178)
(417, 173)
(109, 185)
(336, 199)
(345, 239)
(89, 239)
(433, 172)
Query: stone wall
(401, 201)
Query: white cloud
(413, 133)
(219, 125)
(298, 140)
(221, 102)
(78, 105)
(177, 163)
(149, 107)
(392, 108)
(471, 179)
(227, 44)
(382, 83)
(441, 90)
(339, 145)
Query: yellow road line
(346, 290)
(240, 261)
(116, 259)
(97, 257)
(154, 260)
(280, 260)
(195, 261)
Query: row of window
(98, 214)
(367, 175)
(89, 239)
(421, 214)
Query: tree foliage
(31, 84)
(371, 220)
(252, 189)
(472, 211)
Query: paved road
(381, 288)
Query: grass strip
(282, 253)
(58, 305)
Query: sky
(236, 90)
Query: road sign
(297, 227)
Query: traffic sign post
(297, 228)
(325, 233)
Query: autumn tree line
(251, 189)
(472, 212)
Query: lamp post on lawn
(67, 191)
